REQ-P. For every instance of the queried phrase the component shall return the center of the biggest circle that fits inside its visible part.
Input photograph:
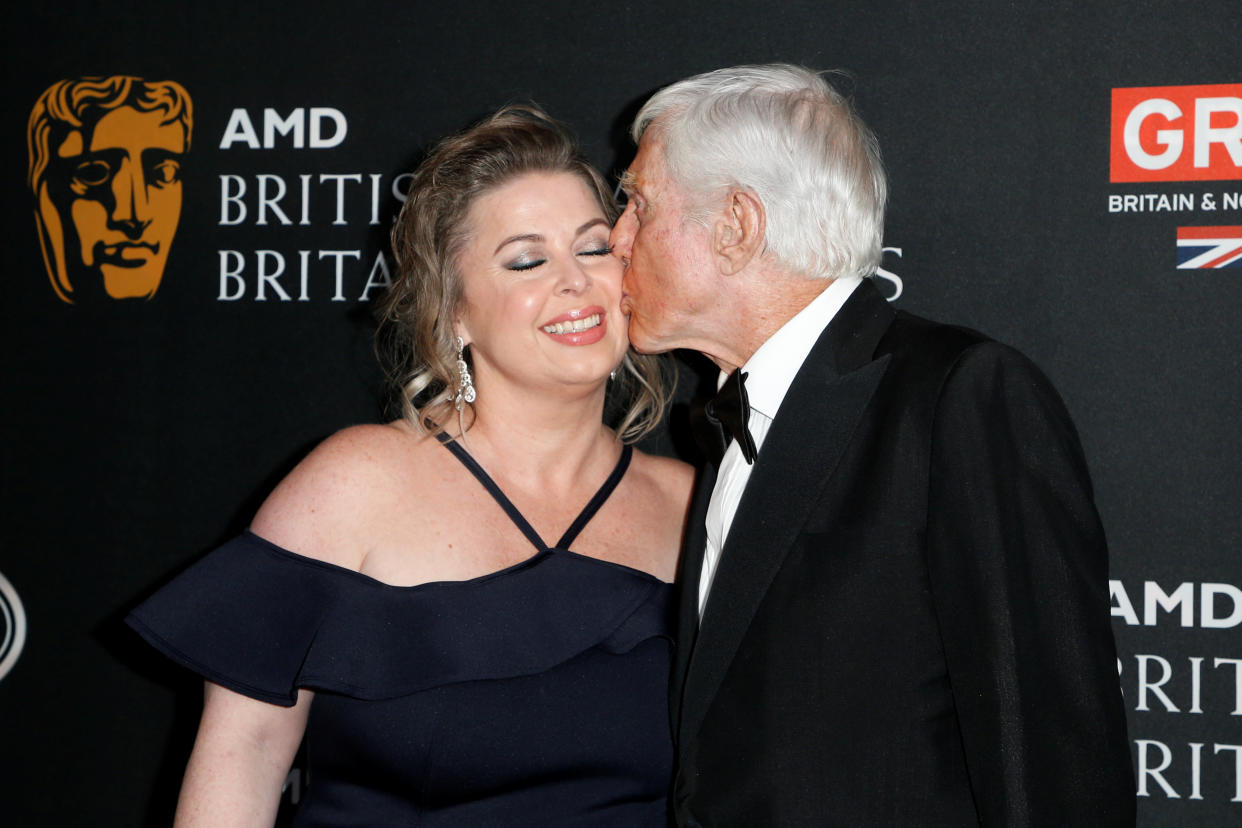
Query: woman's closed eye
(525, 263)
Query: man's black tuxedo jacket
(910, 622)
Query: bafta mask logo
(105, 170)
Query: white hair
(783, 133)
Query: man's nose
(131, 212)
(621, 239)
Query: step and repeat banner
(198, 201)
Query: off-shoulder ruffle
(264, 621)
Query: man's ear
(738, 233)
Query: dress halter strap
(588, 511)
(580, 522)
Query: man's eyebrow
(628, 182)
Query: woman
(387, 601)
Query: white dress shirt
(770, 371)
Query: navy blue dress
(536, 695)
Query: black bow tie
(730, 410)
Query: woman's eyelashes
(532, 261)
(525, 263)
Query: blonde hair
(416, 340)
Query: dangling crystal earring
(612, 375)
(465, 385)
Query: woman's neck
(534, 439)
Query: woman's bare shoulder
(674, 478)
(660, 490)
(666, 487)
(325, 507)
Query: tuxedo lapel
(689, 573)
(807, 439)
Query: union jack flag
(1209, 247)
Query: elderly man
(894, 594)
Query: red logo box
(1176, 133)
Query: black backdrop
(138, 434)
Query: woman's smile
(584, 326)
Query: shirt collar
(772, 368)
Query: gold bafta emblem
(105, 170)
